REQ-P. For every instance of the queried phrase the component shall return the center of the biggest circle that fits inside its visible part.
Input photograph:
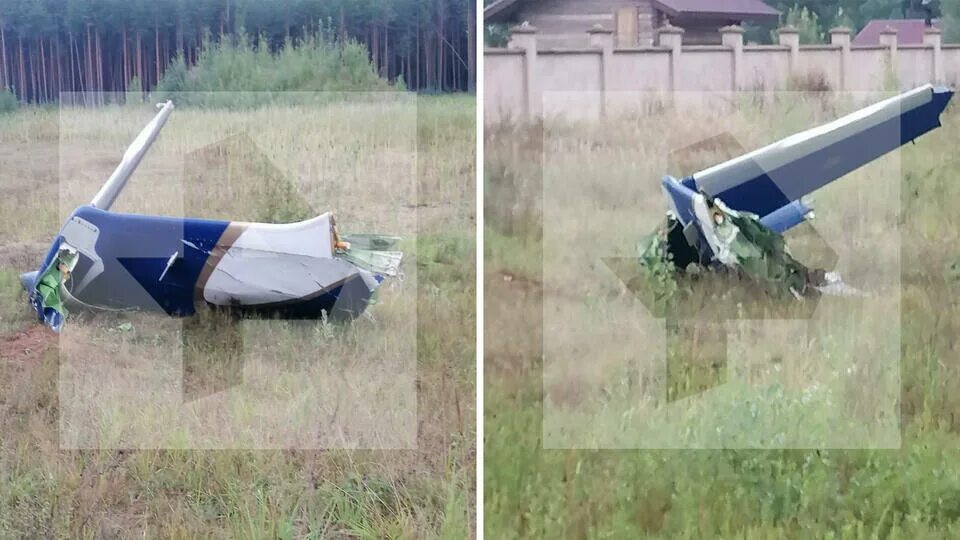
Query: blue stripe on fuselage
(141, 246)
(774, 189)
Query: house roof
(499, 10)
(909, 31)
(736, 9)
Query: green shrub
(8, 100)
(496, 35)
(951, 21)
(807, 24)
(238, 65)
(134, 91)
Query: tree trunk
(23, 72)
(430, 61)
(441, 35)
(99, 67)
(471, 48)
(31, 74)
(386, 52)
(126, 60)
(32, 71)
(181, 42)
(75, 62)
(164, 55)
(374, 48)
(4, 71)
(90, 74)
(156, 31)
(43, 71)
(59, 69)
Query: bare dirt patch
(27, 344)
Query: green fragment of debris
(659, 270)
(49, 283)
(373, 242)
(761, 254)
(49, 288)
(372, 252)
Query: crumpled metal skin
(763, 255)
(746, 246)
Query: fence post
(790, 37)
(932, 37)
(524, 37)
(602, 39)
(888, 38)
(840, 35)
(671, 37)
(732, 36)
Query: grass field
(846, 425)
(405, 168)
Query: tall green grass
(537, 492)
(8, 101)
(424, 492)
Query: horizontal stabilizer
(787, 217)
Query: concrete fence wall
(523, 82)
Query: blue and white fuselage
(130, 261)
(172, 264)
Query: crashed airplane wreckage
(731, 217)
(105, 260)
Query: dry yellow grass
(601, 193)
(575, 362)
(401, 378)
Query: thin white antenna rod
(131, 159)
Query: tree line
(857, 13)
(50, 46)
(814, 18)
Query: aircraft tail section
(768, 179)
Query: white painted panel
(275, 263)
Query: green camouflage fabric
(48, 284)
(652, 249)
(760, 253)
(48, 288)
